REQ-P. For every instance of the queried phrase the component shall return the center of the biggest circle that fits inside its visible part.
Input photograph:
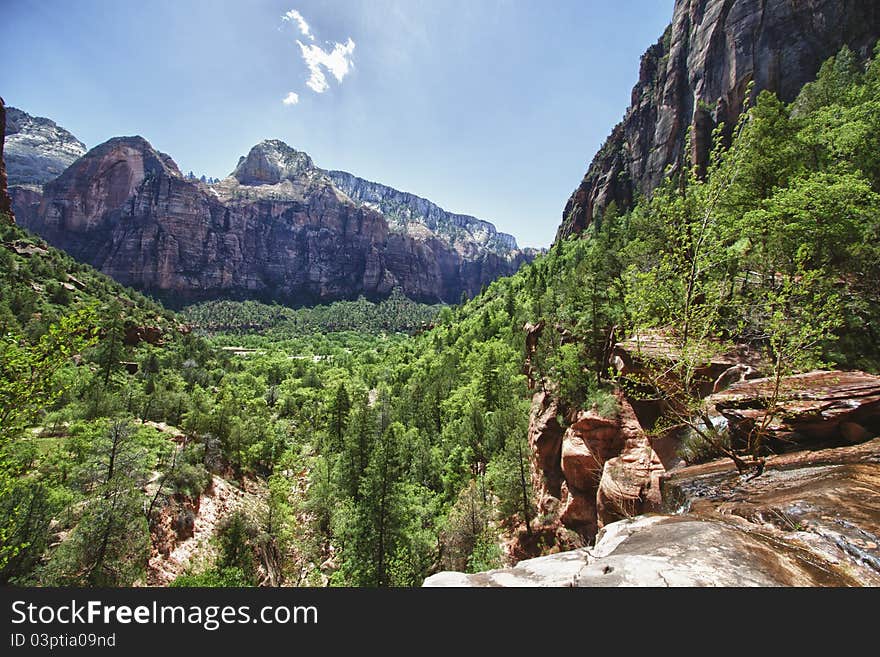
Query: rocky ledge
(814, 408)
(812, 519)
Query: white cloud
(337, 61)
(295, 16)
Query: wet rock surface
(668, 551)
(811, 519)
(686, 551)
(827, 501)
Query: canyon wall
(697, 75)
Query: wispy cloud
(296, 17)
(337, 62)
(335, 58)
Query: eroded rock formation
(545, 441)
(630, 483)
(276, 229)
(597, 470)
(820, 407)
(697, 75)
(591, 469)
(812, 519)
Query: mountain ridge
(400, 207)
(276, 229)
(97, 206)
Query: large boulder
(587, 444)
(134, 335)
(585, 447)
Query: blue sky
(487, 107)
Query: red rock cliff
(276, 229)
(5, 201)
(697, 74)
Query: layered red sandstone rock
(276, 229)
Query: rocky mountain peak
(99, 182)
(37, 149)
(132, 158)
(271, 162)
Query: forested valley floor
(366, 444)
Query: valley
(295, 376)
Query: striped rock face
(696, 75)
(276, 229)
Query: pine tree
(379, 517)
(339, 409)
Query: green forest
(375, 444)
(396, 314)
